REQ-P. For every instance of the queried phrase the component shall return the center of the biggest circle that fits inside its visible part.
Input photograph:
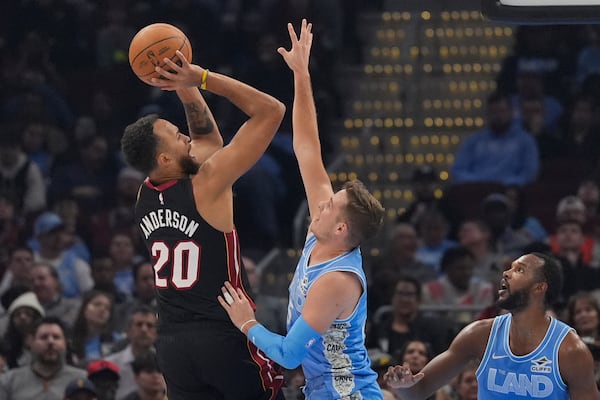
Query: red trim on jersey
(162, 186)
(270, 373)
(234, 263)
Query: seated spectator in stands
(579, 259)
(583, 314)
(47, 376)
(503, 152)
(465, 386)
(150, 381)
(522, 221)
(506, 242)
(105, 376)
(588, 59)
(11, 222)
(548, 138)
(589, 193)
(393, 327)
(271, 311)
(81, 389)
(93, 335)
(141, 335)
(399, 258)
(68, 210)
(46, 286)
(74, 273)
(103, 273)
(582, 135)
(474, 235)
(458, 286)
(433, 230)
(122, 253)
(18, 270)
(24, 312)
(20, 177)
(143, 296)
(530, 86)
(424, 181)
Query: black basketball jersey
(191, 259)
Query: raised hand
(400, 376)
(177, 77)
(297, 58)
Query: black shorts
(213, 360)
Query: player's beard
(516, 300)
(188, 165)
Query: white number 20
(185, 257)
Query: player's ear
(542, 286)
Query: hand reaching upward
(297, 58)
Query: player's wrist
(245, 327)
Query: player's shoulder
(476, 331)
(572, 345)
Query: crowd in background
(69, 249)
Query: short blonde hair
(364, 213)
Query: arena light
(546, 12)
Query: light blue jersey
(503, 375)
(337, 366)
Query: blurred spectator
(149, 379)
(19, 176)
(18, 271)
(458, 286)
(141, 335)
(113, 38)
(433, 230)
(588, 60)
(46, 286)
(270, 310)
(47, 376)
(11, 221)
(571, 208)
(589, 193)
(394, 326)
(506, 242)
(424, 181)
(522, 221)
(380, 361)
(503, 152)
(42, 143)
(581, 268)
(530, 86)
(80, 389)
(74, 273)
(93, 336)
(90, 178)
(465, 385)
(106, 376)
(68, 210)
(548, 138)
(24, 312)
(582, 135)
(122, 253)
(103, 273)
(144, 294)
(474, 235)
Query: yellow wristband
(204, 78)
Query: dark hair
(142, 309)
(552, 274)
(498, 97)
(145, 362)
(363, 211)
(587, 298)
(49, 320)
(452, 255)
(399, 356)
(139, 144)
(137, 266)
(80, 328)
(412, 281)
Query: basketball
(154, 43)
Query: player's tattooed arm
(198, 118)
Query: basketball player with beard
(185, 214)
(524, 354)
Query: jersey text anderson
(166, 218)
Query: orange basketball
(152, 44)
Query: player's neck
(157, 178)
(528, 328)
(324, 252)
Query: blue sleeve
(287, 351)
